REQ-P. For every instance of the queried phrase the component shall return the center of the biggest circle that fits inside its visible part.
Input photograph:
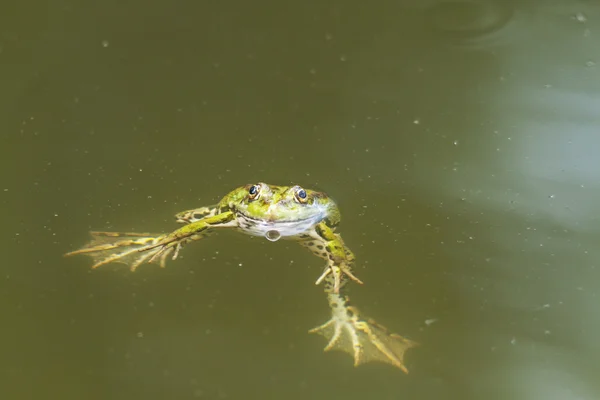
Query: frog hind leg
(122, 247)
(364, 339)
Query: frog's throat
(314, 218)
(287, 228)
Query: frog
(306, 216)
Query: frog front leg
(189, 216)
(329, 245)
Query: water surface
(458, 137)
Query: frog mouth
(275, 221)
(275, 229)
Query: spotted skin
(292, 213)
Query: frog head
(281, 210)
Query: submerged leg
(135, 249)
(122, 247)
(364, 339)
(193, 231)
(329, 245)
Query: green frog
(274, 212)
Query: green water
(458, 138)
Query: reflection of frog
(274, 212)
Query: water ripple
(474, 24)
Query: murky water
(458, 137)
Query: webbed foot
(128, 248)
(169, 244)
(364, 340)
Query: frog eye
(253, 191)
(301, 195)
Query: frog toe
(365, 340)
